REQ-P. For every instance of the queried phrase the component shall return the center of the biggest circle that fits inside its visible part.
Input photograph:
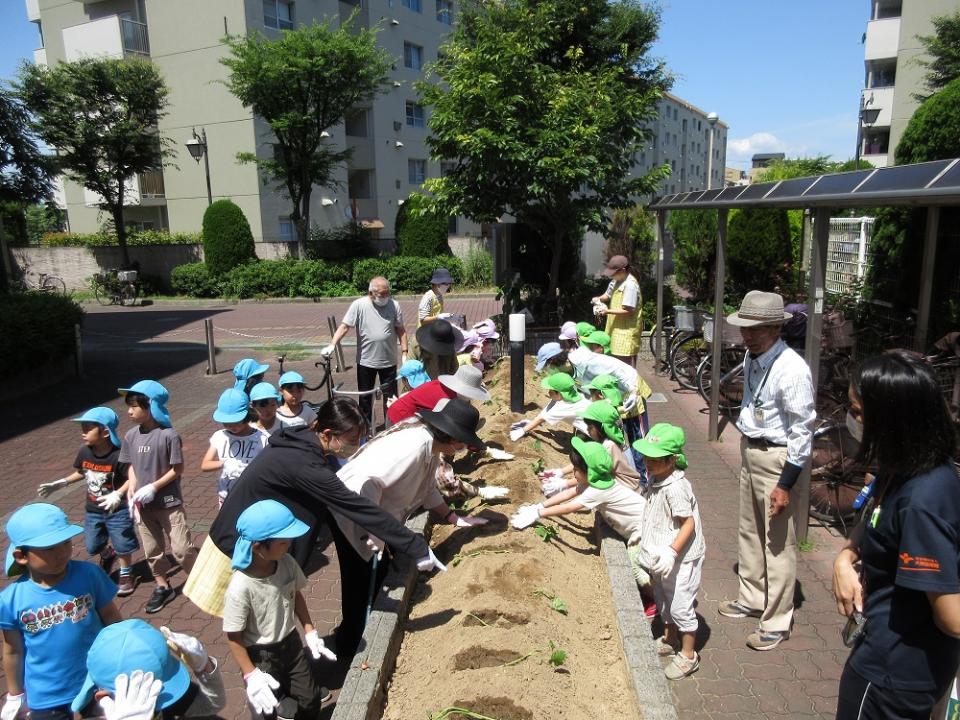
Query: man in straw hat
(776, 419)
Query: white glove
(375, 544)
(517, 433)
(430, 562)
(553, 486)
(464, 521)
(404, 356)
(635, 538)
(260, 687)
(445, 315)
(493, 492)
(664, 562)
(11, 706)
(526, 516)
(317, 648)
(134, 698)
(553, 473)
(232, 468)
(110, 501)
(498, 454)
(192, 649)
(328, 350)
(145, 495)
(44, 489)
(630, 402)
(519, 424)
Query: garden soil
(480, 636)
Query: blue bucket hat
(246, 369)
(38, 525)
(157, 395)
(102, 416)
(232, 407)
(290, 377)
(441, 276)
(414, 373)
(127, 646)
(551, 349)
(264, 520)
(264, 391)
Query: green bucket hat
(563, 384)
(599, 463)
(663, 440)
(608, 387)
(599, 337)
(606, 414)
(584, 330)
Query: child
(566, 403)
(455, 489)
(232, 448)
(599, 342)
(294, 413)
(262, 606)
(108, 528)
(265, 401)
(673, 542)
(411, 376)
(248, 372)
(604, 387)
(153, 450)
(51, 615)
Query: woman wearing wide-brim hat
(431, 304)
(624, 316)
(438, 343)
(397, 470)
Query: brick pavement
(165, 342)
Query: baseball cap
(102, 416)
(246, 369)
(608, 387)
(127, 646)
(413, 372)
(264, 391)
(599, 462)
(663, 440)
(562, 383)
(584, 329)
(547, 351)
(264, 520)
(232, 407)
(290, 377)
(38, 525)
(157, 395)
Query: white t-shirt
(622, 508)
(263, 608)
(558, 411)
(669, 503)
(270, 430)
(235, 452)
(306, 417)
(631, 291)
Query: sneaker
(287, 709)
(161, 597)
(766, 639)
(107, 557)
(127, 585)
(664, 649)
(681, 666)
(325, 694)
(649, 607)
(733, 609)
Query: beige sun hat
(467, 382)
(759, 308)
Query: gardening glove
(375, 544)
(493, 492)
(519, 424)
(232, 468)
(44, 489)
(391, 400)
(317, 648)
(464, 521)
(145, 495)
(552, 473)
(553, 486)
(328, 350)
(260, 687)
(425, 564)
(192, 650)
(517, 433)
(134, 698)
(630, 402)
(665, 558)
(11, 706)
(526, 516)
(635, 538)
(498, 454)
(110, 501)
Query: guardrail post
(211, 347)
(78, 349)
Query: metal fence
(848, 253)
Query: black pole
(516, 377)
(206, 165)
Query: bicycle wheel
(104, 294)
(731, 379)
(832, 495)
(128, 293)
(664, 342)
(686, 358)
(53, 284)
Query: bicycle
(47, 284)
(116, 287)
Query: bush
(43, 327)
(694, 250)
(420, 233)
(412, 274)
(135, 237)
(227, 239)
(759, 250)
(367, 269)
(478, 268)
(341, 243)
(195, 280)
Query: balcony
(33, 10)
(151, 187)
(883, 39)
(145, 189)
(40, 57)
(111, 36)
(878, 99)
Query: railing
(848, 252)
(135, 38)
(151, 184)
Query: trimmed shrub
(135, 237)
(227, 239)
(341, 243)
(420, 233)
(412, 274)
(760, 252)
(366, 269)
(478, 268)
(195, 280)
(43, 327)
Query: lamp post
(198, 149)
(712, 122)
(865, 118)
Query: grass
(805, 545)
(290, 351)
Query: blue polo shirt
(911, 549)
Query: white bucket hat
(466, 382)
(759, 308)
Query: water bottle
(862, 496)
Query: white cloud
(740, 150)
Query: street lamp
(711, 121)
(198, 149)
(866, 118)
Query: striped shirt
(778, 401)
(430, 305)
(669, 503)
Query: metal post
(206, 163)
(211, 347)
(518, 334)
(78, 349)
(658, 340)
(718, 320)
(862, 249)
(338, 351)
(926, 278)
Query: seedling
(479, 619)
(460, 557)
(538, 466)
(557, 656)
(546, 532)
(555, 602)
(448, 711)
(537, 445)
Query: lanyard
(755, 394)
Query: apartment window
(882, 75)
(452, 225)
(684, 124)
(675, 115)
(286, 229)
(412, 56)
(412, 5)
(415, 115)
(355, 124)
(278, 14)
(416, 171)
(445, 11)
(358, 184)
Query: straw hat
(759, 308)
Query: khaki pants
(161, 526)
(767, 546)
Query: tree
(943, 47)
(227, 239)
(758, 249)
(694, 234)
(421, 231)
(541, 107)
(101, 115)
(631, 234)
(302, 84)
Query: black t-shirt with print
(103, 474)
(910, 549)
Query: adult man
(379, 324)
(776, 419)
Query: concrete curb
(363, 692)
(214, 302)
(643, 665)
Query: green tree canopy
(101, 115)
(758, 250)
(694, 234)
(943, 47)
(421, 231)
(302, 84)
(933, 132)
(24, 169)
(541, 105)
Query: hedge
(420, 233)
(227, 238)
(134, 237)
(43, 327)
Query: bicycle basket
(101, 277)
(687, 319)
(127, 276)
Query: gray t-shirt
(376, 331)
(263, 608)
(151, 454)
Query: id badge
(758, 414)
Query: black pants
(367, 380)
(287, 662)
(862, 700)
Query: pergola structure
(931, 185)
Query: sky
(784, 75)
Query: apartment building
(892, 75)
